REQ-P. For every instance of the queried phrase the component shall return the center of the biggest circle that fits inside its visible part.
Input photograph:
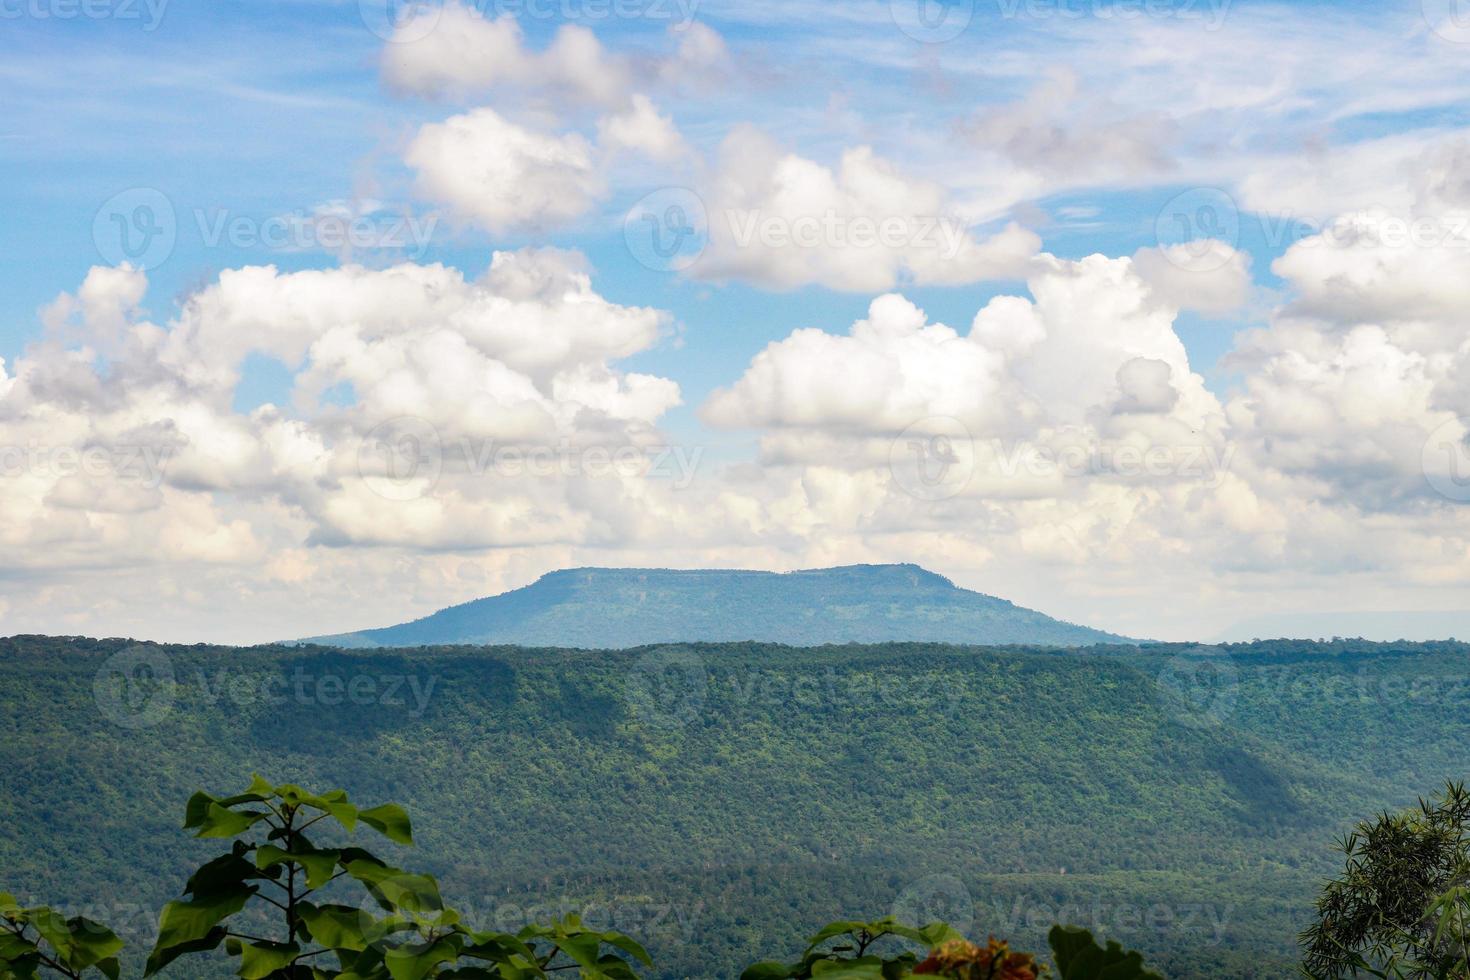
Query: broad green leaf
(193, 920)
(417, 962)
(219, 821)
(225, 874)
(319, 865)
(161, 958)
(1078, 957)
(619, 941)
(390, 820)
(260, 960)
(397, 890)
(336, 926)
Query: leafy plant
(33, 939)
(1399, 908)
(1079, 957)
(401, 931)
(854, 951)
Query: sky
(318, 316)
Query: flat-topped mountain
(626, 607)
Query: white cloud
(781, 221)
(141, 459)
(1204, 275)
(501, 176)
(643, 130)
(455, 52)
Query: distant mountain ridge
(605, 608)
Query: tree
(402, 930)
(1399, 909)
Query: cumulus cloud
(1090, 364)
(501, 176)
(142, 457)
(780, 220)
(456, 51)
(642, 129)
(1204, 275)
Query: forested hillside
(716, 800)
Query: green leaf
(260, 960)
(391, 821)
(417, 962)
(1079, 957)
(319, 865)
(220, 821)
(397, 890)
(226, 874)
(625, 943)
(161, 958)
(769, 970)
(194, 920)
(336, 926)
